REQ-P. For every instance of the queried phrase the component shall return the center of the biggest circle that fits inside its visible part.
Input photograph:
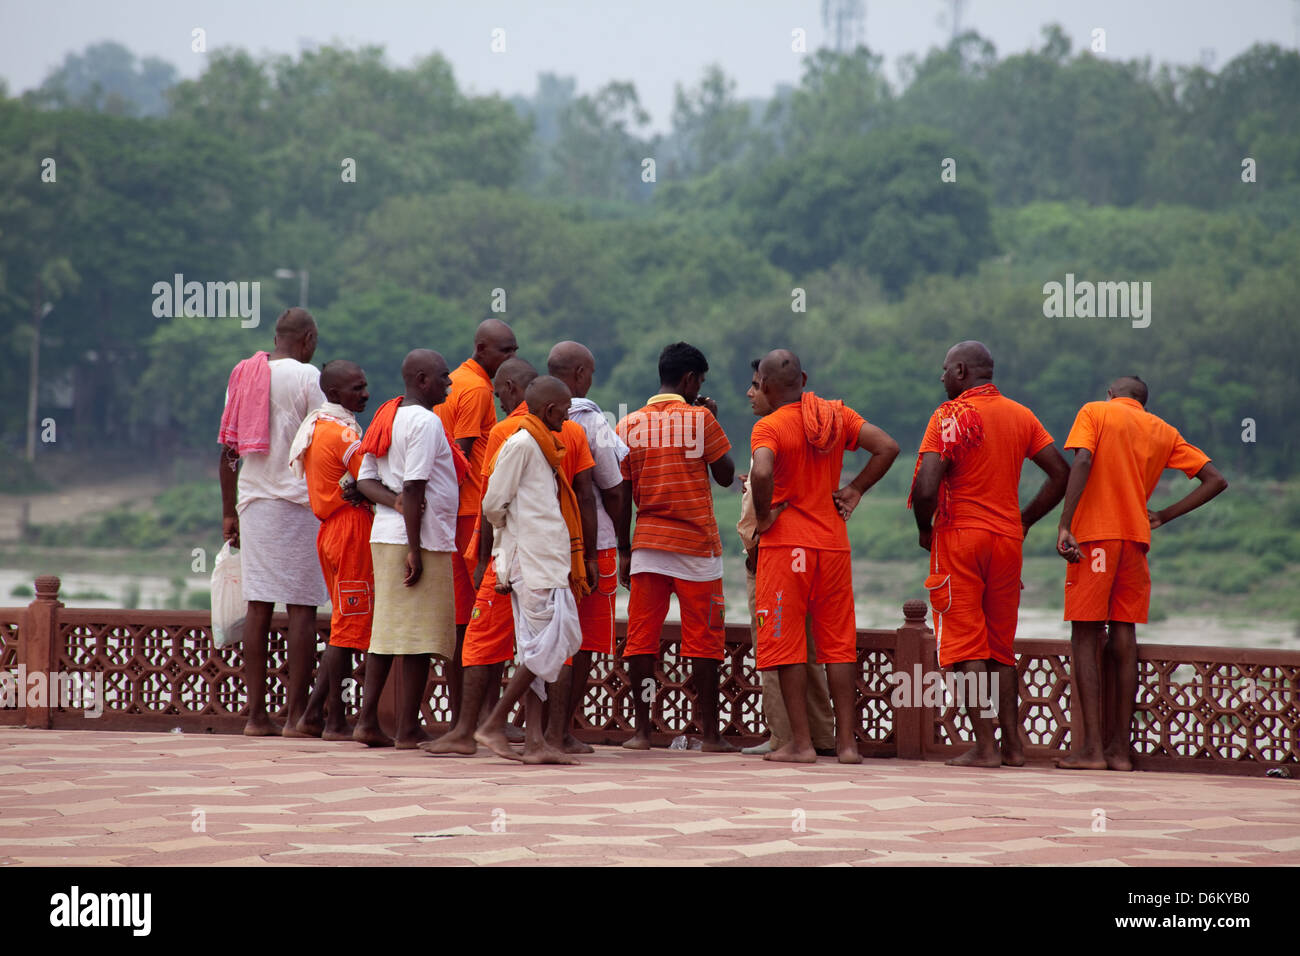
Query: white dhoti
(547, 631)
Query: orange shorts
(974, 587)
(794, 585)
(343, 544)
(490, 636)
(596, 610)
(699, 603)
(1111, 583)
(461, 582)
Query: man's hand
(751, 560)
(353, 496)
(414, 568)
(593, 574)
(1155, 519)
(923, 538)
(476, 575)
(772, 515)
(708, 403)
(846, 499)
(230, 530)
(625, 569)
(1067, 547)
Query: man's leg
(640, 671)
(843, 689)
(256, 647)
(704, 644)
(1122, 674)
(985, 752)
(799, 749)
(491, 733)
(704, 675)
(368, 730)
(460, 739)
(830, 634)
(647, 606)
(1008, 695)
(557, 710)
(334, 663)
(579, 678)
(339, 660)
(1085, 698)
(302, 655)
(411, 694)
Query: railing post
(38, 651)
(913, 723)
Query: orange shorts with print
(974, 587)
(1111, 583)
(793, 584)
(490, 635)
(596, 610)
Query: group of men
(441, 532)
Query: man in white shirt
(415, 613)
(574, 365)
(539, 559)
(267, 515)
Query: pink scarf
(246, 420)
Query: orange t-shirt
(333, 452)
(577, 454)
(469, 412)
(805, 478)
(985, 484)
(671, 445)
(1130, 448)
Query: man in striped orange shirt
(675, 443)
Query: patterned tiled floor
(97, 798)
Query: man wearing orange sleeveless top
(965, 495)
(675, 443)
(490, 636)
(1121, 450)
(326, 452)
(804, 561)
(467, 417)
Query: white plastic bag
(229, 609)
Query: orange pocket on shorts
(717, 608)
(939, 587)
(354, 597)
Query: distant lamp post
(301, 275)
(34, 371)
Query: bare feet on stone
(495, 741)
(514, 734)
(548, 755)
(973, 758)
(637, 742)
(1119, 760)
(1074, 761)
(718, 746)
(848, 754)
(345, 733)
(413, 742)
(461, 745)
(261, 727)
(572, 745)
(371, 737)
(790, 754)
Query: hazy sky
(653, 43)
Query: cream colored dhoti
(415, 620)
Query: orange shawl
(554, 453)
(961, 430)
(379, 437)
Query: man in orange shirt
(965, 495)
(325, 452)
(804, 561)
(1105, 532)
(490, 636)
(467, 417)
(675, 443)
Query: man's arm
(883, 450)
(761, 486)
(723, 470)
(611, 499)
(412, 498)
(584, 488)
(375, 490)
(228, 477)
(925, 494)
(1066, 546)
(486, 537)
(623, 530)
(467, 444)
(1058, 473)
(1211, 484)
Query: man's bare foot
(495, 741)
(548, 754)
(343, 733)
(572, 745)
(452, 743)
(1119, 761)
(718, 745)
(790, 754)
(413, 741)
(849, 754)
(1074, 761)
(371, 737)
(973, 758)
(514, 734)
(261, 727)
(1013, 755)
(303, 728)
(637, 742)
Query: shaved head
(338, 373)
(294, 323)
(975, 356)
(1130, 386)
(548, 398)
(494, 342)
(518, 372)
(574, 365)
(420, 361)
(782, 368)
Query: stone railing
(1215, 709)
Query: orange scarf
(961, 430)
(822, 422)
(379, 437)
(554, 453)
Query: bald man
(1121, 450)
(266, 509)
(326, 452)
(804, 559)
(539, 551)
(407, 451)
(574, 365)
(467, 417)
(966, 501)
(490, 635)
